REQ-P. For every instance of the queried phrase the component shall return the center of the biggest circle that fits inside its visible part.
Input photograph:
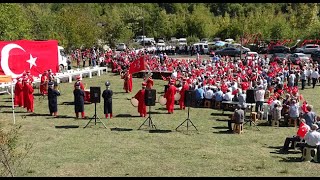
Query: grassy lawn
(96, 151)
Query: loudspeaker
(150, 97)
(250, 96)
(190, 98)
(95, 93)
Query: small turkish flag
(23, 55)
(137, 65)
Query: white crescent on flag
(5, 57)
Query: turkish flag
(25, 55)
(137, 65)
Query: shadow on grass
(223, 132)
(220, 127)
(121, 129)
(224, 120)
(37, 114)
(39, 94)
(14, 112)
(6, 101)
(67, 127)
(290, 159)
(120, 93)
(4, 106)
(159, 131)
(67, 103)
(219, 114)
(263, 124)
(62, 116)
(126, 115)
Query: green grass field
(96, 151)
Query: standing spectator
(310, 116)
(276, 113)
(142, 108)
(107, 96)
(315, 77)
(291, 79)
(52, 99)
(294, 111)
(169, 95)
(303, 78)
(242, 100)
(185, 87)
(78, 101)
(259, 98)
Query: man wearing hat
(52, 99)
(18, 93)
(142, 108)
(259, 98)
(78, 100)
(107, 96)
(185, 87)
(127, 84)
(149, 82)
(28, 95)
(79, 82)
(169, 95)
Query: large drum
(162, 100)
(177, 97)
(134, 102)
(87, 96)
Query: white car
(161, 43)
(298, 57)
(252, 55)
(240, 47)
(121, 47)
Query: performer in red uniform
(169, 95)
(18, 93)
(28, 96)
(142, 108)
(185, 86)
(127, 84)
(149, 83)
(78, 82)
(29, 76)
(44, 83)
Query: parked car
(315, 56)
(200, 46)
(239, 46)
(251, 55)
(279, 49)
(308, 48)
(161, 42)
(262, 50)
(296, 58)
(229, 51)
(279, 57)
(121, 47)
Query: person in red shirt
(169, 95)
(142, 108)
(185, 87)
(149, 83)
(18, 93)
(127, 84)
(44, 83)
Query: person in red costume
(18, 93)
(28, 96)
(127, 84)
(142, 108)
(44, 83)
(169, 95)
(149, 83)
(185, 87)
(29, 76)
(78, 82)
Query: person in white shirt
(259, 98)
(209, 93)
(292, 78)
(315, 77)
(228, 96)
(308, 74)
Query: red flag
(22, 55)
(137, 65)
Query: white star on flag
(32, 61)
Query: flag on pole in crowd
(137, 65)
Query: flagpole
(14, 117)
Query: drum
(134, 102)
(177, 97)
(162, 100)
(87, 95)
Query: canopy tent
(8, 79)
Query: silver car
(308, 48)
(298, 57)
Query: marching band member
(52, 99)
(127, 84)
(18, 93)
(44, 83)
(142, 108)
(185, 87)
(78, 100)
(28, 95)
(107, 96)
(149, 83)
(79, 82)
(169, 95)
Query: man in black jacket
(52, 99)
(78, 100)
(107, 96)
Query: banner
(20, 56)
(137, 65)
(4, 79)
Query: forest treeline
(82, 24)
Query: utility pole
(143, 28)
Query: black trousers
(303, 83)
(230, 124)
(314, 81)
(259, 105)
(292, 140)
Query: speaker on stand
(149, 100)
(189, 101)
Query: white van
(203, 46)
(182, 41)
(62, 59)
